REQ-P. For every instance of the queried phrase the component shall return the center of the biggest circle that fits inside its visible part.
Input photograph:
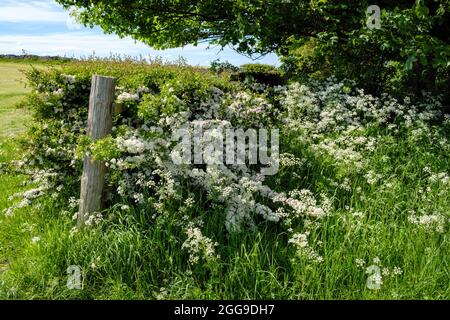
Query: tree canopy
(411, 48)
(251, 26)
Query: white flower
(127, 97)
(69, 78)
(300, 240)
(397, 271)
(198, 245)
(35, 240)
(360, 262)
(429, 222)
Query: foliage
(363, 182)
(409, 54)
(254, 26)
(139, 151)
(259, 73)
(219, 67)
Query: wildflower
(397, 271)
(375, 279)
(127, 97)
(198, 245)
(300, 240)
(35, 240)
(189, 202)
(69, 78)
(360, 262)
(93, 219)
(430, 222)
(59, 92)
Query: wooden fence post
(99, 125)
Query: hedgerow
(168, 225)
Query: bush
(408, 55)
(158, 100)
(219, 67)
(260, 73)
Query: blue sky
(42, 27)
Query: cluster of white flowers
(440, 177)
(143, 174)
(347, 149)
(289, 160)
(240, 197)
(198, 245)
(318, 110)
(248, 109)
(93, 219)
(431, 222)
(373, 177)
(330, 107)
(134, 96)
(141, 90)
(360, 263)
(59, 92)
(132, 145)
(35, 240)
(70, 79)
(125, 97)
(235, 187)
(344, 184)
(332, 122)
(40, 177)
(300, 241)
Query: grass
(12, 91)
(10, 119)
(13, 123)
(132, 256)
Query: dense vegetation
(410, 52)
(363, 182)
(358, 209)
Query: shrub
(408, 55)
(260, 73)
(219, 67)
(158, 100)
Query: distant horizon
(148, 58)
(44, 28)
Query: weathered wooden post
(99, 125)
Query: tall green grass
(130, 257)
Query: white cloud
(27, 14)
(31, 11)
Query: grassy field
(12, 90)
(13, 123)
(136, 256)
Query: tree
(251, 26)
(408, 54)
(411, 48)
